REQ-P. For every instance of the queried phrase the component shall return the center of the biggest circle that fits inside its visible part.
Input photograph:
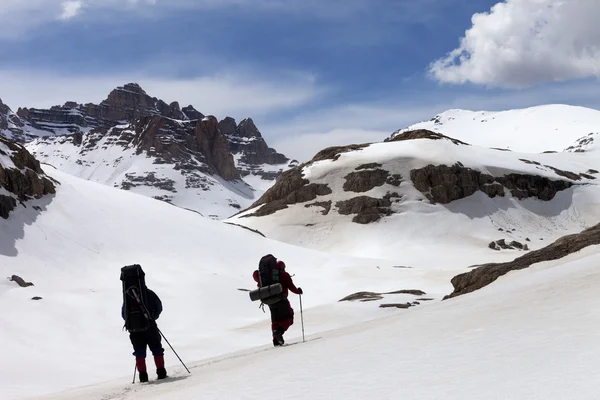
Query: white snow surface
(537, 129)
(5, 160)
(469, 224)
(73, 250)
(530, 335)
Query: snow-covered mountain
(428, 190)
(530, 130)
(68, 249)
(415, 213)
(140, 143)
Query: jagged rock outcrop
(191, 113)
(333, 153)
(21, 177)
(365, 179)
(290, 188)
(422, 134)
(443, 184)
(251, 150)
(367, 209)
(11, 125)
(215, 147)
(485, 274)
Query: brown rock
(365, 180)
(443, 184)
(333, 153)
(367, 209)
(215, 148)
(363, 296)
(20, 281)
(488, 273)
(423, 134)
(26, 181)
(325, 204)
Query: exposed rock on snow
(21, 177)
(422, 134)
(443, 184)
(367, 209)
(325, 204)
(290, 188)
(513, 245)
(333, 153)
(485, 274)
(367, 179)
(20, 281)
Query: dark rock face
(191, 113)
(488, 273)
(290, 188)
(365, 180)
(156, 120)
(215, 148)
(443, 184)
(367, 209)
(513, 245)
(20, 281)
(23, 181)
(422, 134)
(246, 141)
(325, 204)
(11, 125)
(333, 153)
(367, 177)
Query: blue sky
(311, 73)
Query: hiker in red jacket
(282, 313)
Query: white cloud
(521, 43)
(238, 94)
(71, 9)
(302, 136)
(20, 16)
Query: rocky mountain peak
(248, 129)
(228, 126)
(191, 113)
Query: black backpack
(269, 275)
(135, 298)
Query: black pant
(281, 311)
(148, 338)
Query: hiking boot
(278, 337)
(143, 376)
(161, 373)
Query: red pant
(284, 324)
(282, 315)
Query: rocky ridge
(21, 177)
(205, 153)
(485, 274)
(439, 184)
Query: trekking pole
(161, 334)
(134, 371)
(141, 303)
(302, 318)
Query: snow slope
(73, 244)
(531, 335)
(123, 166)
(531, 130)
(465, 226)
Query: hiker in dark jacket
(282, 313)
(143, 336)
